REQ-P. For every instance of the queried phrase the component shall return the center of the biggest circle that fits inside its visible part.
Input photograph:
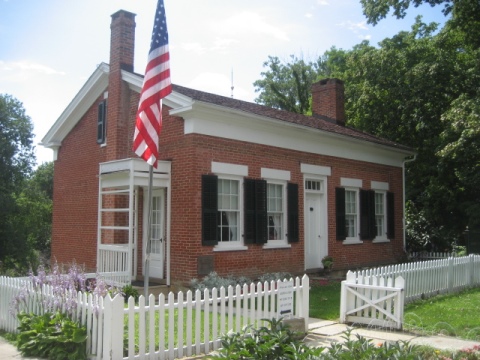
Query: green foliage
(129, 291)
(213, 280)
(269, 277)
(287, 85)
(327, 262)
(275, 342)
(51, 336)
(325, 301)
(360, 348)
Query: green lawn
(452, 315)
(325, 301)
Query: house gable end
(89, 93)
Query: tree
(16, 162)
(35, 203)
(286, 86)
(465, 14)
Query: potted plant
(327, 263)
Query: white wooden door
(157, 234)
(315, 232)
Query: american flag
(156, 85)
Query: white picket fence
(372, 301)
(424, 255)
(166, 327)
(377, 296)
(429, 278)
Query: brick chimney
(328, 100)
(122, 46)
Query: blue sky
(49, 48)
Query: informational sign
(285, 299)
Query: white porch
(119, 217)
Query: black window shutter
(390, 215)
(101, 122)
(367, 215)
(209, 209)
(255, 211)
(340, 213)
(292, 212)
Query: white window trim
(234, 245)
(282, 243)
(383, 238)
(354, 239)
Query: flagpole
(146, 279)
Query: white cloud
(249, 23)
(26, 66)
(309, 15)
(193, 47)
(355, 27)
(322, 2)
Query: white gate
(372, 300)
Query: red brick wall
(75, 194)
(191, 157)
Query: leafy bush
(129, 291)
(50, 333)
(275, 342)
(274, 276)
(213, 280)
(51, 336)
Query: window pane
(351, 213)
(228, 206)
(275, 211)
(380, 213)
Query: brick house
(241, 188)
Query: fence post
(113, 327)
(471, 279)
(305, 299)
(450, 275)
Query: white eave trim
(93, 88)
(214, 120)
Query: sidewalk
(323, 333)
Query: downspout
(406, 160)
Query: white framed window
(351, 215)
(229, 216)
(276, 213)
(276, 206)
(380, 216)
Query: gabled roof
(185, 98)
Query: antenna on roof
(232, 84)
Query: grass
(325, 301)
(452, 315)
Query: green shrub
(130, 291)
(275, 276)
(213, 280)
(51, 336)
(275, 342)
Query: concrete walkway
(323, 333)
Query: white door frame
(157, 262)
(322, 237)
